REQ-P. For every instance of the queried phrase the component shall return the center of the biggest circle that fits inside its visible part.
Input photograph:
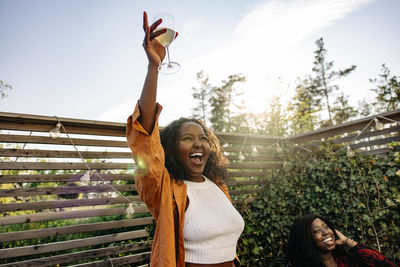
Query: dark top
(364, 256)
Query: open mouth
(196, 157)
(327, 240)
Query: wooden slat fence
(49, 217)
(363, 135)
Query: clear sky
(84, 59)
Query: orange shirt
(164, 196)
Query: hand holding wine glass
(165, 34)
(154, 50)
(155, 53)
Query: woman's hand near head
(154, 50)
(344, 240)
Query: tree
(223, 104)
(303, 108)
(200, 94)
(364, 108)
(342, 111)
(239, 123)
(274, 121)
(3, 87)
(320, 86)
(387, 91)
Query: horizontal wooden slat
(246, 139)
(104, 166)
(5, 138)
(254, 158)
(120, 261)
(238, 200)
(14, 121)
(38, 153)
(244, 183)
(61, 215)
(81, 228)
(260, 150)
(379, 151)
(64, 190)
(65, 245)
(254, 166)
(367, 134)
(64, 166)
(41, 205)
(344, 128)
(82, 255)
(381, 141)
(231, 174)
(44, 178)
(246, 191)
(354, 137)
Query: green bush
(360, 194)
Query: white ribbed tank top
(212, 225)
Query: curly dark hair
(216, 164)
(301, 248)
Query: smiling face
(193, 150)
(323, 236)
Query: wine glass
(165, 39)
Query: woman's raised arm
(155, 54)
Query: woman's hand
(154, 50)
(344, 240)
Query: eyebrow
(319, 226)
(186, 133)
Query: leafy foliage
(361, 195)
(342, 110)
(319, 84)
(387, 91)
(3, 87)
(200, 94)
(273, 122)
(223, 104)
(303, 108)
